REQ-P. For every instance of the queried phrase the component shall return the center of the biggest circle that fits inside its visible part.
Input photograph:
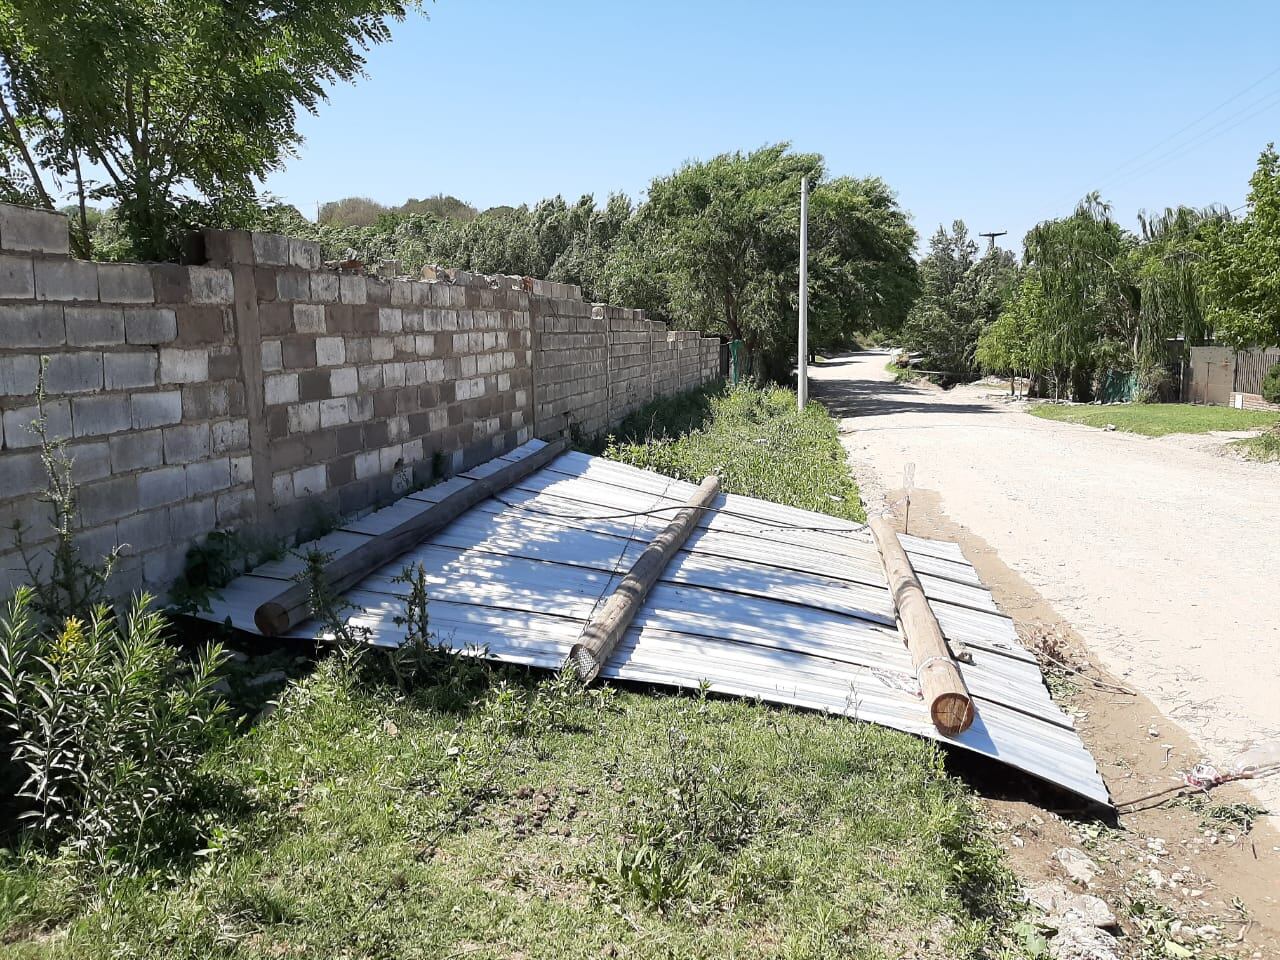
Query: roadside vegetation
(1157, 419)
(346, 803)
(1264, 447)
(1095, 310)
(755, 438)
(902, 374)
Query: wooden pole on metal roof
(607, 625)
(944, 689)
(292, 604)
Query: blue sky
(1001, 114)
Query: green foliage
(1243, 271)
(754, 439)
(1265, 447)
(714, 248)
(1271, 385)
(489, 822)
(363, 212)
(960, 296)
(213, 563)
(63, 583)
(183, 119)
(108, 724)
(687, 814)
(1157, 419)
(1094, 299)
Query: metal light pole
(802, 354)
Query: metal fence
(1215, 374)
(1251, 367)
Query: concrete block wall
(143, 381)
(260, 388)
(594, 365)
(364, 386)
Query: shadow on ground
(879, 398)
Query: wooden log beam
(607, 625)
(290, 606)
(945, 692)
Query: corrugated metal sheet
(763, 601)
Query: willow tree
(1242, 273)
(169, 110)
(1170, 272)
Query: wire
(1200, 139)
(1182, 130)
(1127, 170)
(570, 662)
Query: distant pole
(802, 350)
(991, 238)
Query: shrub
(63, 584)
(108, 723)
(1152, 381)
(1271, 385)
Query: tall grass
(754, 438)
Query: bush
(1271, 385)
(107, 722)
(1153, 381)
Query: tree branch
(21, 145)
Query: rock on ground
(1076, 865)
(1083, 941)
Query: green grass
(902, 374)
(495, 812)
(755, 439)
(1157, 419)
(1264, 447)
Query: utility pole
(991, 238)
(802, 350)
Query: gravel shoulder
(1160, 553)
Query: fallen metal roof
(763, 601)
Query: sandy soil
(1161, 553)
(1143, 562)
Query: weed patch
(754, 438)
(1264, 447)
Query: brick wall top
(28, 230)
(227, 247)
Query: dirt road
(1163, 555)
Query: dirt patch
(1173, 872)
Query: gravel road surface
(1162, 553)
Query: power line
(1205, 136)
(1120, 175)
(1204, 116)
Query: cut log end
(952, 713)
(271, 619)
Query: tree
(441, 206)
(351, 212)
(717, 243)
(960, 296)
(1242, 272)
(197, 103)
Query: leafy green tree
(960, 295)
(352, 212)
(716, 247)
(1242, 273)
(441, 206)
(180, 106)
